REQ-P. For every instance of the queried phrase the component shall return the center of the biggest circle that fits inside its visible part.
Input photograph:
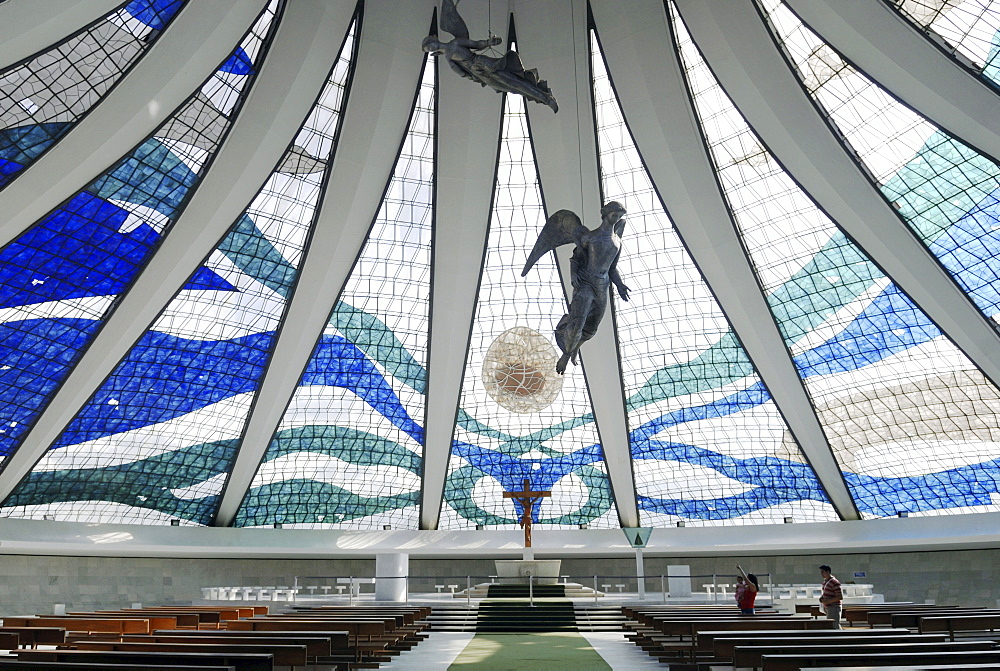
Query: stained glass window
(143, 435)
(707, 440)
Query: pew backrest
(752, 655)
(919, 659)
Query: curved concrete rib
(28, 27)
(468, 141)
(553, 38)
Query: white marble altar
(517, 571)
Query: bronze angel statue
(504, 74)
(593, 269)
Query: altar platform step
(507, 618)
(524, 591)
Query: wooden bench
(283, 654)
(238, 661)
(89, 624)
(325, 648)
(157, 619)
(366, 637)
(9, 640)
(223, 613)
(723, 647)
(316, 646)
(24, 665)
(919, 667)
(31, 637)
(879, 618)
(403, 627)
(680, 638)
(959, 623)
(690, 628)
(752, 655)
(919, 659)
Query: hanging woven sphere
(519, 371)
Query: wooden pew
(335, 647)
(225, 613)
(157, 619)
(916, 667)
(690, 628)
(367, 637)
(406, 631)
(647, 624)
(239, 661)
(283, 654)
(679, 637)
(959, 623)
(31, 637)
(316, 646)
(187, 619)
(91, 624)
(753, 655)
(883, 616)
(24, 665)
(911, 618)
(953, 658)
(723, 647)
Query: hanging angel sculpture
(504, 74)
(593, 269)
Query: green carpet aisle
(441, 650)
(547, 650)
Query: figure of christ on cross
(527, 499)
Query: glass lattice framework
(556, 446)
(40, 100)
(910, 419)
(967, 28)
(152, 441)
(707, 440)
(948, 193)
(348, 452)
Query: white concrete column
(391, 573)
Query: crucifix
(527, 499)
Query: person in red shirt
(832, 595)
(752, 586)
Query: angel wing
(451, 21)
(562, 228)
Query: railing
(698, 588)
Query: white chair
(326, 589)
(439, 588)
(621, 588)
(340, 589)
(452, 588)
(210, 593)
(312, 589)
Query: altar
(517, 571)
